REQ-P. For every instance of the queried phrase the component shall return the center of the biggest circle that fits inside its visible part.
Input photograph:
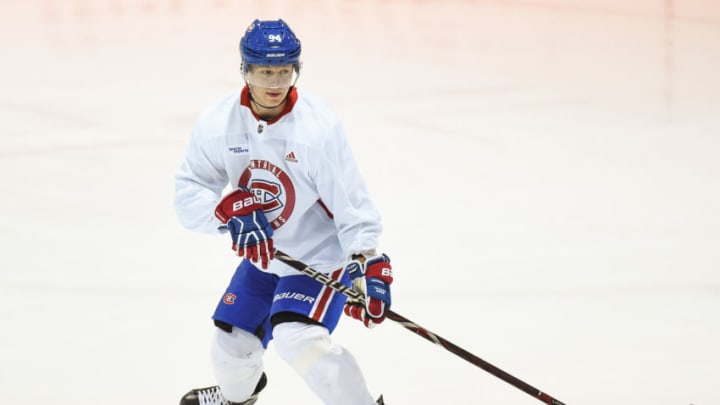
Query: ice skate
(380, 401)
(212, 395)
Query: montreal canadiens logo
(229, 298)
(268, 193)
(273, 187)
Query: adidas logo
(290, 157)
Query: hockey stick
(419, 330)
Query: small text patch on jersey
(239, 149)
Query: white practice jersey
(300, 166)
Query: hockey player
(293, 184)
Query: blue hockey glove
(250, 230)
(372, 276)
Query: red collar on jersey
(291, 99)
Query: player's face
(271, 77)
(270, 84)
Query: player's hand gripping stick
(372, 276)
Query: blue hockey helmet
(270, 43)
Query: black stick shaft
(424, 333)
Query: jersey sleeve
(199, 182)
(343, 190)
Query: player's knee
(303, 345)
(238, 343)
(237, 362)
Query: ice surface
(548, 174)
